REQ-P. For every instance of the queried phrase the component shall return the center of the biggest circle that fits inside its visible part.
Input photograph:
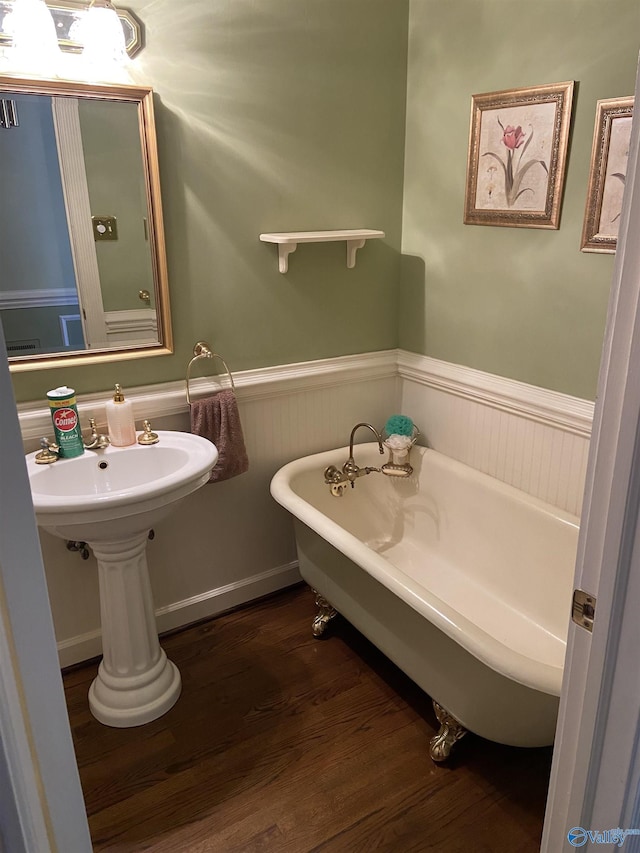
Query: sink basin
(110, 499)
(118, 491)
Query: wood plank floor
(284, 743)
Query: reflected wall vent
(23, 347)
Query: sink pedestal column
(136, 683)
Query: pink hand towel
(218, 419)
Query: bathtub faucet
(350, 468)
(338, 479)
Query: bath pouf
(399, 425)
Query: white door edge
(594, 765)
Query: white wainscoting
(529, 437)
(168, 398)
(230, 542)
(138, 325)
(38, 298)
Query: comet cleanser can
(66, 425)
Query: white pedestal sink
(110, 499)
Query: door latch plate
(583, 610)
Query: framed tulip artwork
(609, 155)
(517, 156)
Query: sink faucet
(338, 479)
(96, 441)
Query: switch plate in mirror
(104, 228)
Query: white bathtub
(463, 581)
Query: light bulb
(100, 32)
(34, 41)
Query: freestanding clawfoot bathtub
(463, 581)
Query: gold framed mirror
(83, 276)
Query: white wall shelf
(287, 242)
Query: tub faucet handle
(333, 475)
(336, 480)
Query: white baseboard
(179, 614)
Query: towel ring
(203, 350)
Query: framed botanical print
(517, 156)
(607, 175)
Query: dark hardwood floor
(284, 743)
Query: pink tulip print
(513, 137)
(517, 150)
(515, 166)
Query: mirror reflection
(81, 241)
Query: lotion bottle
(120, 421)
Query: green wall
(522, 303)
(278, 115)
(271, 115)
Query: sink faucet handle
(48, 454)
(148, 437)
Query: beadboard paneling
(533, 439)
(230, 542)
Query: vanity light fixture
(67, 17)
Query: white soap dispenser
(120, 421)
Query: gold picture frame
(518, 144)
(609, 153)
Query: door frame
(38, 811)
(596, 761)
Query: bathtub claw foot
(449, 733)
(324, 615)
